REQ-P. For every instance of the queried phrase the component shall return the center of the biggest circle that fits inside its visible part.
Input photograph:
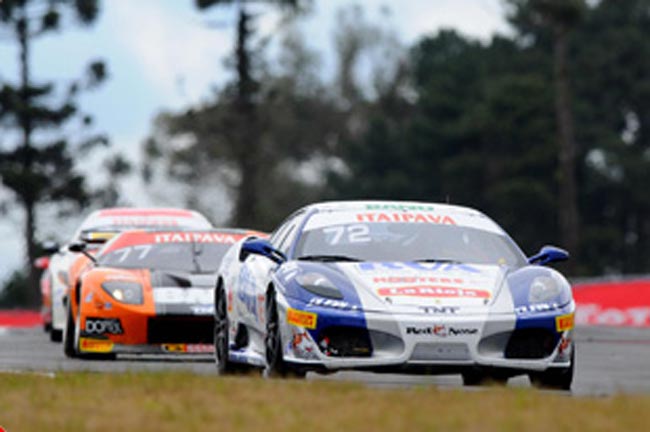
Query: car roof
(386, 205)
(131, 217)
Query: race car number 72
(358, 233)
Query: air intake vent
(180, 329)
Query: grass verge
(185, 402)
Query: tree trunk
(248, 153)
(22, 28)
(34, 294)
(568, 208)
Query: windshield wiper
(326, 258)
(438, 260)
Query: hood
(407, 287)
(164, 278)
(182, 293)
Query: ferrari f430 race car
(147, 292)
(402, 287)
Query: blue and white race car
(403, 287)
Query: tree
(245, 137)
(476, 134)
(40, 167)
(201, 147)
(562, 17)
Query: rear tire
(56, 335)
(221, 339)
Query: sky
(165, 55)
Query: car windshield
(408, 242)
(186, 257)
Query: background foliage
(510, 126)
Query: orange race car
(97, 228)
(147, 292)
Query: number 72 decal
(358, 233)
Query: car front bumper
(385, 342)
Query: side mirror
(549, 254)
(51, 247)
(42, 263)
(80, 247)
(77, 247)
(261, 247)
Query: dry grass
(184, 402)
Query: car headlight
(124, 291)
(543, 289)
(318, 284)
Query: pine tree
(38, 166)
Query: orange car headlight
(124, 291)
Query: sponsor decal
(405, 217)
(438, 291)
(145, 212)
(301, 345)
(301, 318)
(181, 237)
(188, 348)
(439, 309)
(183, 296)
(565, 343)
(143, 221)
(400, 207)
(101, 326)
(95, 345)
(246, 291)
(440, 330)
(416, 280)
(564, 322)
(335, 304)
(406, 266)
(538, 307)
(202, 309)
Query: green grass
(185, 402)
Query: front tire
(69, 335)
(555, 378)
(275, 364)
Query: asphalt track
(608, 360)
